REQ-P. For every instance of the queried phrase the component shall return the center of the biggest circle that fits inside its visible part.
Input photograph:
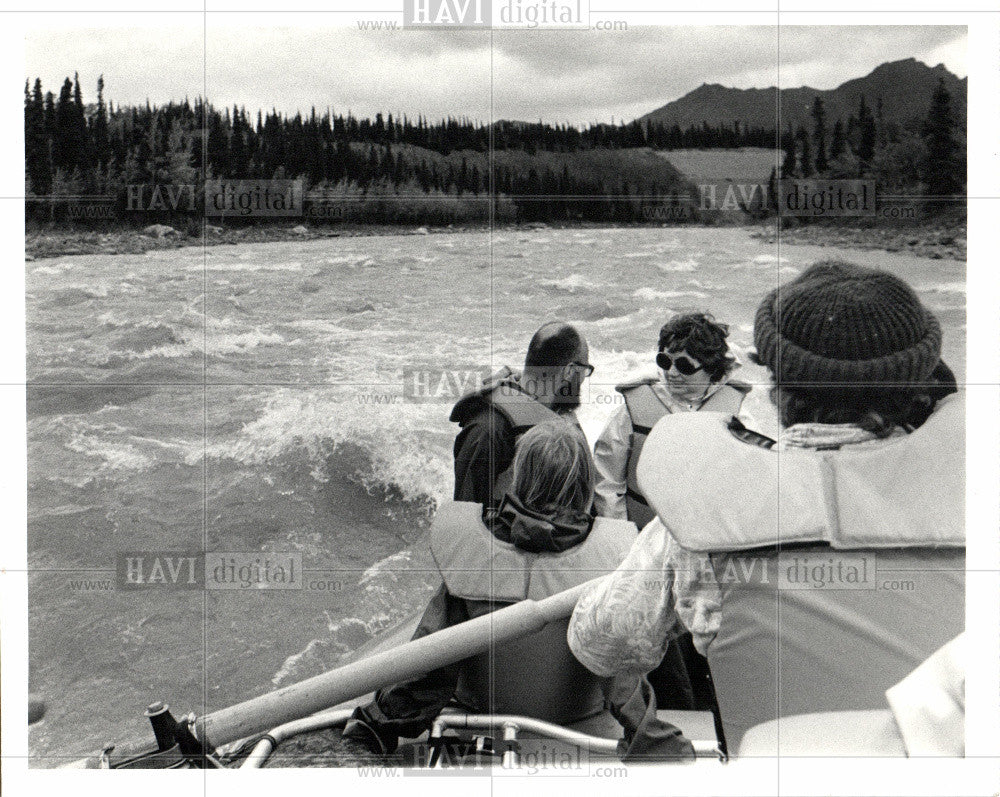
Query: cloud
(572, 76)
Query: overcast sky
(558, 76)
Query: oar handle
(382, 669)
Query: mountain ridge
(904, 86)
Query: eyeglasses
(587, 368)
(684, 364)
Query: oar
(383, 669)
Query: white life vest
(838, 571)
(475, 565)
(717, 493)
(537, 675)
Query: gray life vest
(645, 408)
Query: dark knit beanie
(839, 323)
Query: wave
(678, 265)
(209, 265)
(652, 295)
(60, 510)
(352, 306)
(398, 450)
(76, 294)
(346, 260)
(322, 326)
(943, 287)
(108, 449)
(162, 340)
(574, 283)
(53, 271)
(598, 311)
(143, 337)
(80, 398)
(115, 455)
(387, 593)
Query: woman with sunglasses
(695, 365)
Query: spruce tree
(100, 127)
(805, 161)
(942, 169)
(837, 143)
(788, 164)
(819, 134)
(64, 155)
(866, 133)
(37, 159)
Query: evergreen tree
(84, 159)
(819, 134)
(881, 129)
(805, 161)
(100, 127)
(63, 153)
(37, 159)
(943, 167)
(772, 189)
(788, 164)
(866, 133)
(837, 143)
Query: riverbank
(943, 240)
(40, 244)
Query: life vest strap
(740, 432)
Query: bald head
(552, 367)
(554, 345)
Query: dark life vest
(522, 411)
(645, 408)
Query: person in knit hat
(855, 358)
(847, 344)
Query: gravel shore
(936, 241)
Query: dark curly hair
(701, 336)
(875, 408)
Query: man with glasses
(492, 419)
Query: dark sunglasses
(588, 369)
(684, 365)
